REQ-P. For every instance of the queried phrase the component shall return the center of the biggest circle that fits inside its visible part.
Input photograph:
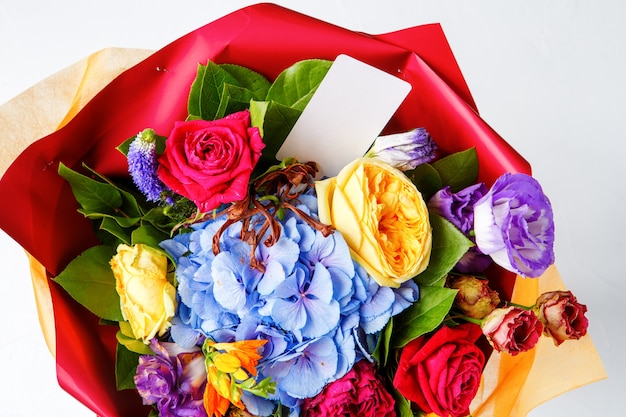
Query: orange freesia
(227, 363)
(246, 352)
(215, 404)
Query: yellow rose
(147, 299)
(382, 217)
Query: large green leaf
(93, 196)
(448, 246)
(278, 120)
(458, 170)
(206, 89)
(423, 316)
(252, 81)
(233, 99)
(426, 179)
(125, 367)
(90, 281)
(295, 86)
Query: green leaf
(426, 179)
(448, 246)
(121, 234)
(90, 281)
(423, 316)
(126, 338)
(295, 86)
(125, 367)
(278, 121)
(458, 170)
(93, 196)
(206, 89)
(149, 235)
(233, 99)
(251, 80)
(403, 406)
(381, 352)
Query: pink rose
(441, 374)
(512, 329)
(210, 162)
(359, 392)
(562, 315)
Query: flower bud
(512, 329)
(562, 315)
(475, 298)
(404, 150)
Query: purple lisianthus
(458, 208)
(143, 164)
(514, 225)
(173, 379)
(404, 150)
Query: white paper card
(350, 108)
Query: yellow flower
(147, 299)
(382, 217)
(226, 364)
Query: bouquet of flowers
(204, 276)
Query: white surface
(548, 76)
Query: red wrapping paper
(42, 215)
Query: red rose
(441, 374)
(359, 392)
(512, 329)
(210, 162)
(562, 315)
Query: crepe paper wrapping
(153, 93)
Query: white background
(547, 75)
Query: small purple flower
(458, 208)
(514, 224)
(143, 164)
(404, 150)
(173, 379)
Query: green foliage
(423, 316)
(295, 86)
(426, 179)
(381, 352)
(90, 281)
(448, 246)
(458, 170)
(125, 368)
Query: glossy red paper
(42, 216)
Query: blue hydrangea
(314, 305)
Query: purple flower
(173, 379)
(404, 150)
(513, 224)
(142, 165)
(458, 208)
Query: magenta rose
(441, 374)
(512, 329)
(210, 162)
(359, 392)
(562, 315)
